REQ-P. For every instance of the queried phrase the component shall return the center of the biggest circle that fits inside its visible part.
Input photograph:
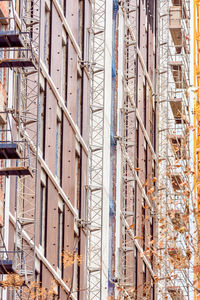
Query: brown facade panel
(56, 49)
(50, 128)
(38, 217)
(52, 225)
(68, 161)
(72, 81)
(72, 16)
(69, 245)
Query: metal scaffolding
(20, 51)
(96, 141)
(174, 195)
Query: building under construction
(99, 185)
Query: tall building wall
(146, 142)
(144, 154)
(136, 150)
(63, 152)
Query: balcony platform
(15, 171)
(17, 63)
(178, 73)
(182, 4)
(10, 39)
(176, 106)
(9, 151)
(6, 267)
(178, 146)
(175, 27)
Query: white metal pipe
(119, 152)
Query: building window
(143, 225)
(47, 36)
(152, 237)
(145, 163)
(60, 237)
(42, 109)
(59, 292)
(145, 103)
(138, 25)
(152, 290)
(151, 116)
(80, 24)
(136, 270)
(77, 180)
(137, 143)
(154, 128)
(64, 68)
(1, 69)
(87, 45)
(145, 287)
(43, 214)
(58, 148)
(79, 100)
(76, 267)
(154, 172)
(62, 4)
(147, 47)
(17, 84)
(135, 206)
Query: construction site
(100, 149)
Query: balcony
(176, 14)
(182, 4)
(178, 74)
(175, 27)
(16, 50)
(9, 150)
(10, 39)
(17, 63)
(16, 171)
(6, 267)
(176, 107)
(178, 146)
